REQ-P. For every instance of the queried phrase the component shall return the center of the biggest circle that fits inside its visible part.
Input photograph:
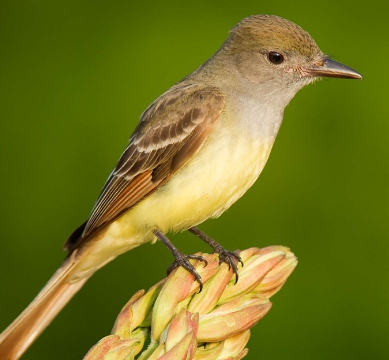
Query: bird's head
(274, 51)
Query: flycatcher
(196, 150)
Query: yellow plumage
(225, 167)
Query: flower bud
(211, 325)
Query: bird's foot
(231, 258)
(181, 259)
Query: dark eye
(275, 58)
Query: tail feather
(15, 340)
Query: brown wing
(170, 132)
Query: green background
(74, 78)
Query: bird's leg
(180, 258)
(230, 258)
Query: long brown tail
(15, 340)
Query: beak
(331, 68)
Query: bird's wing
(170, 132)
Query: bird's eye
(275, 58)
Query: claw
(181, 259)
(231, 259)
(228, 257)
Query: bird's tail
(15, 340)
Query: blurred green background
(74, 78)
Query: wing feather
(169, 133)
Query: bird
(195, 151)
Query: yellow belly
(218, 175)
(205, 187)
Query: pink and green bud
(212, 325)
(276, 277)
(234, 347)
(232, 317)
